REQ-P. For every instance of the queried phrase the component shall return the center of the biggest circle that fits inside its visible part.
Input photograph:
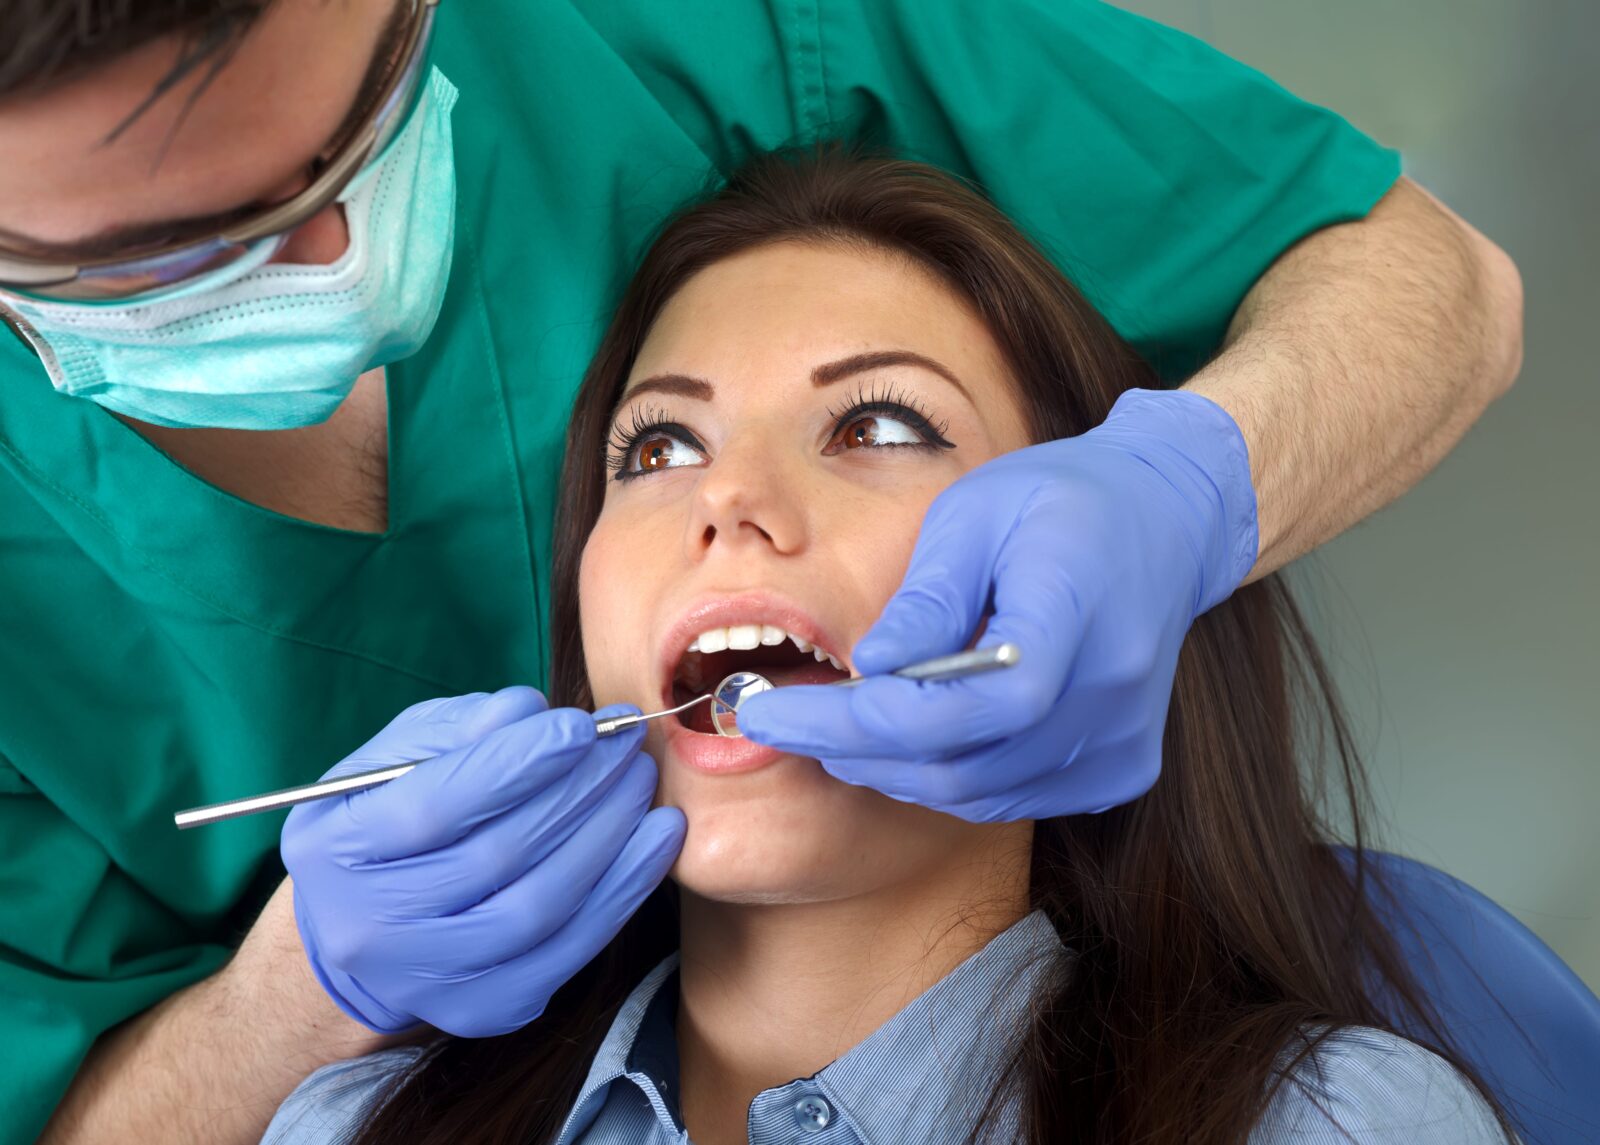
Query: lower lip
(720, 755)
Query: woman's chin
(789, 832)
(753, 896)
(742, 854)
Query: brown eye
(655, 448)
(873, 431)
(862, 431)
(654, 452)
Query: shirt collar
(923, 1075)
(611, 1061)
(926, 1073)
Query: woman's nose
(748, 496)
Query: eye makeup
(892, 401)
(642, 423)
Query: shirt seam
(842, 1108)
(823, 87)
(810, 91)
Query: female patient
(799, 367)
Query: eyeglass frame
(45, 277)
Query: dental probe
(954, 666)
(361, 780)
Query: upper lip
(717, 611)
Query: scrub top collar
(923, 1075)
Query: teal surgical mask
(276, 346)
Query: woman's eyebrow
(681, 385)
(831, 372)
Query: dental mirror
(733, 691)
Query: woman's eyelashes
(650, 442)
(887, 418)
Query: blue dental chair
(1535, 1039)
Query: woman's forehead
(784, 309)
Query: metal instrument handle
(972, 662)
(610, 727)
(289, 796)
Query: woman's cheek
(610, 609)
(879, 534)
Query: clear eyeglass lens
(140, 276)
(733, 691)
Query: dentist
(302, 292)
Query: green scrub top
(165, 644)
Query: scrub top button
(812, 1113)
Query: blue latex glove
(1095, 553)
(464, 893)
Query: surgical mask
(276, 346)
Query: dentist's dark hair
(1217, 937)
(44, 43)
(48, 41)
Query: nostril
(319, 241)
(710, 533)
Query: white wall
(1465, 620)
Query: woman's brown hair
(1217, 936)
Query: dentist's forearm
(1359, 359)
(213, 1062)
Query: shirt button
(812, 1113)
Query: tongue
(820, 672)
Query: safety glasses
(169, 263)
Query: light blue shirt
(924, 1075)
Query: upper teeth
(743, 636)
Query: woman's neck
(773, 992)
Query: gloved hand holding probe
(1095, 553)
(500, 869)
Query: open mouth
(769, 651)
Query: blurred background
(1463, 622)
